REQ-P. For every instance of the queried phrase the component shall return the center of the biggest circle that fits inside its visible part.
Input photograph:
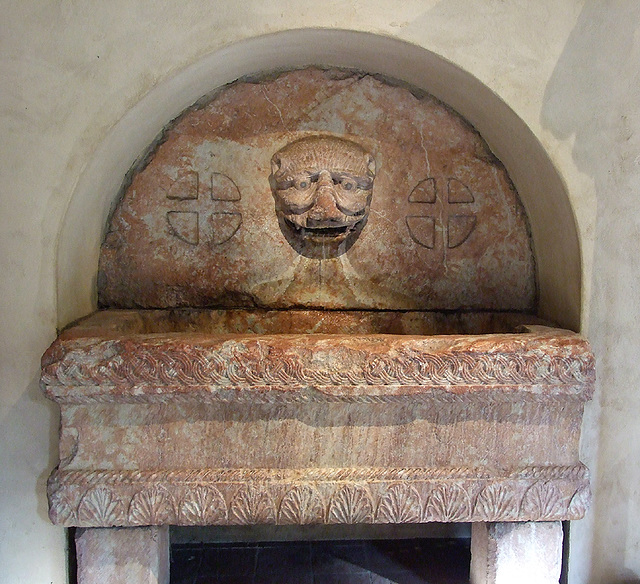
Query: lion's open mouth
(323, 233)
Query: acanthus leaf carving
(202, 505)
(496, 503)
(400, 504)
(543, 501)
(301, 505)
(100, 508)
(580, 502)
(324, 495)
(351, 504)
(252, 505)
(62, 509)
(448, 503)
(152, 506)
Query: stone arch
(541, 189)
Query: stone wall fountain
(318, 305)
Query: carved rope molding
(243, 475)
(212, 497)
(171, 366)
(265, 395)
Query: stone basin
(209, 417)
(392, 373)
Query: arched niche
(554, 232)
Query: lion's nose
(324, 179)
(324, 212)
(325, 208)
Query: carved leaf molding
(203, 505)
(580, 501)
(496, 503)
(351, 504)
(119, 502)
(99, 506)
(543, 501)
(62, 509)
(448, 503)
(400, 504)
(252, 505)
(152, 506)
(301, 506)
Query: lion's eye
(303, 183)
(348, 184)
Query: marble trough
(189, 417)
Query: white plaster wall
(71, 71)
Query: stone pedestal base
(501, 553)
(134, 555)
(527, 553)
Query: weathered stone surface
(181, 427)
(527, 553)
(104, 323)
(312, 496)
(198, 225)
(137, 555)
(81, 367)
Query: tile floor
(406, 561)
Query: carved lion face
(322, 187)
